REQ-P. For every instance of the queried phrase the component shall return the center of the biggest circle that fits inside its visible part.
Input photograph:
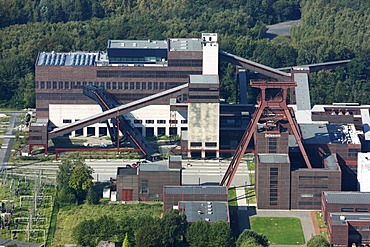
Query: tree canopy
(74, 179)
(318, 241)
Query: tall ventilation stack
(204, 103)
(210, 54)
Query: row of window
(139, 121)
(313, 177)
(145, 85)
(144, 74)
(185, 62)
(361, 210)
(207, 144)
(274, 175)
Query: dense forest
(329, 30)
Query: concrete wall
(203, 126)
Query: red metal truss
(278, 102)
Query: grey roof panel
(204, 79)
(349, 197)
(137, 44)
(195, 190)
(342, 218)
(210, 211)
(273, 158)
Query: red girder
(276, 103)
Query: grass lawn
(233, 202)
(70, 217)
(279, 230)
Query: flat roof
(187, 44)
(317, 133)
(195, 190)
(67, 58)
(212, 79)
(331, 162)
(273, 158)
(137, 44)
(342, 218)
(347, 197)
(175, 158)
(209, 211)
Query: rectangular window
(144, 186)
(67, 120)
(195, 144)
(272, 145)
(143, 85)
(161, 121)
(132, 85)
(211, 144)
(42, 85)
(137, 121)
(150, 85)
(362, 210)
(137, 87)
(149, 121)
(365, 228)
(114, 85)
(184, 121)
(126, 85)
(347, 210)
(172, 121)
(155, 85)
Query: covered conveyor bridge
(123, 109)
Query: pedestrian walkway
(240, 196)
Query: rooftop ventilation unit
(342, 217)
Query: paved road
(197, 172)
(282, 28)
(8, 139)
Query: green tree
(197, 234)
(149, 236)
(81, 179)
(220, 235)
(84, 233)
(173, 227)
(318, 241)
(92, 197)
(248, 236)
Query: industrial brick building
(347, 217)
(299, 151)
(146, 181)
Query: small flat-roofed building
(146, 182)
(210, 211)
(344, 201)
(172, 195)
(345, 229)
